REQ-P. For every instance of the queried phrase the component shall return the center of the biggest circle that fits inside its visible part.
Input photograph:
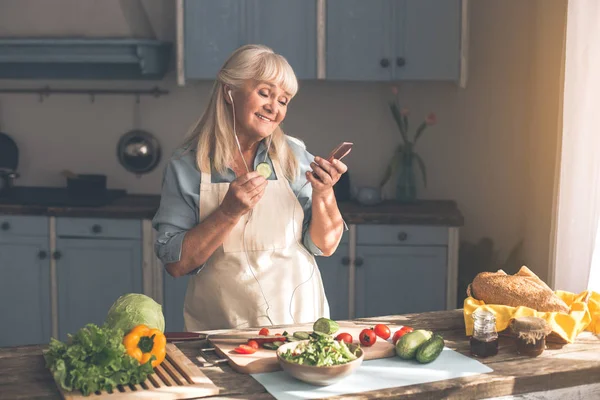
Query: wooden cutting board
(177, 377)
(266, 360)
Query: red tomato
(244, 349)
(253, 344)
(263, 332)
(401, 332)
(346, 337)
(367, 337)
(382, 331)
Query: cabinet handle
(384, 62)
(400, 61)
(402, 236)
(96, 228)
(358, 262)
(5, 226)
(57, 255)
(345, 260)
(42, 255)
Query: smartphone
(341, 151)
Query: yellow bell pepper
(143, 343)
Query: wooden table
(570, 372)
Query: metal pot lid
(9, 153)
(138, 151)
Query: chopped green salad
(321, 350)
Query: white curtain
(577, 246)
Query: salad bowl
(318, 375)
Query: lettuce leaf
(94, 359)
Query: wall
(491, 151)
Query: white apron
(225, 294)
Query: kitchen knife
(188, 336)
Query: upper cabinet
(289, 28)
(359, 40)
(212, 30)
(351, 40)
(383, 40)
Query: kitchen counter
(557, 373)
(423, 212)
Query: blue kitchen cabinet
(428, 46)
(289, 28)
(173, 298)
(24, 281)
(97, 260)
(384, 40)
(214, 29)
(335, 274)
(359, 40)
(392, 280)
(400, 269)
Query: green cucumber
(293, 339)
(326, 325)
(278, 343)
(407, 346)
(270, 346)
(430, 350)
(302, 335)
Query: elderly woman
(245, 208)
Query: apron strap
(205, 178)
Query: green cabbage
(134, 309)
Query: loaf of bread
(522, 289)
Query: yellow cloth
(583, 315)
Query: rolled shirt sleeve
(178, 210)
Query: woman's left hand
(325, 174)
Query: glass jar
(484, 342)
(531, 335)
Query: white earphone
(230, 97)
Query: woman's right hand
(243, 194)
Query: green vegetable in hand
(133, 309)
(94, 359)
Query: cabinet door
(335, 273)
(212, 30)
(393, 280)
(173, 297)
(359, 40)
(24, 290)
(427, 39)
(289, 27)
(91, 275)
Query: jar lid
(483, 315)
(534, 326)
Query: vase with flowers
(405, 158)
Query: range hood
(58, 58)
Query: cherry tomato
(401, 332)
(346, 337)
(263, 332)
(382, 331)
(244, 349)
(367, 337)
(253, 344)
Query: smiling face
(259, 108)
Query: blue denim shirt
(179, 211)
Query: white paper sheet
(374, 375)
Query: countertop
(24, 376)
(422, 212)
